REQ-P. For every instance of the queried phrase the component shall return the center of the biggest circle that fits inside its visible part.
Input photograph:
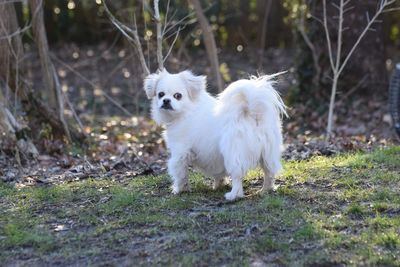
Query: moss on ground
(326, 211)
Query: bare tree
(336, 63)
(209, 42)
(131, 33)
(12, 77)
(133, 37)
(52, 90)
(11, 52)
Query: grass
(343, 210)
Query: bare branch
(328, 38)
(60, 100)
(355, 88)
(112, 100)
(159, 35)
(383, 5)
(174, 33)
(339, 66)
(391, 10)
(31, 103)
(317, 19)
(127, 32)
(345, 3)
(367, 15)
(335, 5)
(27, 26)
(315, 55)
(166, 16)
(172, 45)
(182, 20)
(74, 115)
(145, 31)
(340, 35)
(169, 22)
(348, 9)
(18, 32)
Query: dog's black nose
(166, 104)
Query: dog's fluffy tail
(254, 97)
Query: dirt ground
(330, 211)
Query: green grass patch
(19, 234)
(355, 209)
(341, 210)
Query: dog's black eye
(161, 94)
(178, 96)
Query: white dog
(224, 136)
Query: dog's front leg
(177, 169)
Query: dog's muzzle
(167, 104)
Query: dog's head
(172, 94)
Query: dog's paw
(177, 189)
(268, 189)
(231, 196)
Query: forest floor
(327, 211)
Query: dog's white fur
(224, 136)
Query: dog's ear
(195, 84)
(150, 84)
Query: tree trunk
(209, 42)
(14, 135)
(52, 87)
(261, 46)
(39, 33)
(10, 54)
(12, 72)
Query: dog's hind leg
(237, 188)
(271, 165)
(269, 180)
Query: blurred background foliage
(237, 26)
(100, 75)
(235, 22)
(238, 29)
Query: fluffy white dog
(224, 136)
